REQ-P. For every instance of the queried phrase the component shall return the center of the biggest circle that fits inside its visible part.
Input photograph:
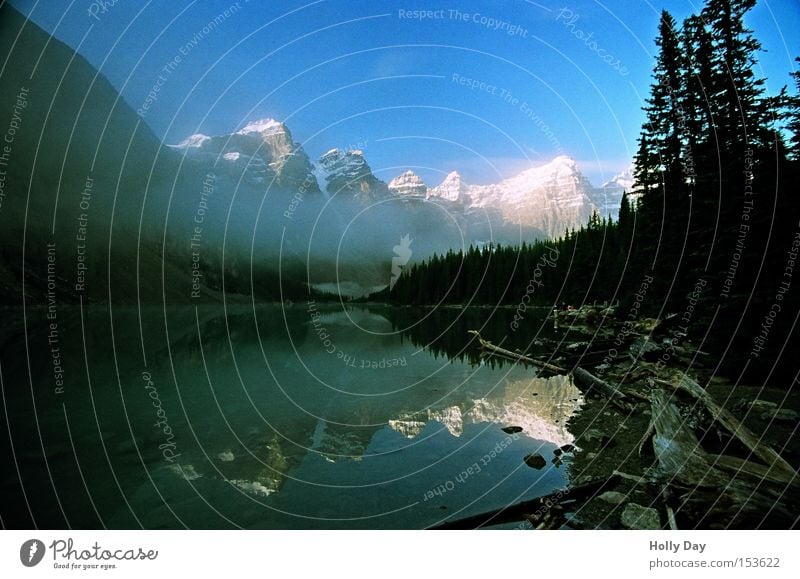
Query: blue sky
(485, 88)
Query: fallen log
(756, 470)
(639, 480)
(676, 447)
(535, 509)
(634, 394)
(582, 378)
(673, 525)
(640, 373)
(589, 357)
(487, 345)
(651, 429)
(777, 465)
(590, 382)
(706, 495)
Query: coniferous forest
(712, 224)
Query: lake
(306, 415)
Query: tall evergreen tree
(659, 164)
(794, 117)
(625, 221)
(659, 143)
(739, 93)
(744, 122)
(700, 153)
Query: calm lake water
(305, 416)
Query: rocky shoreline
(658, 359)
(661, 442)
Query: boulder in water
(536, 461)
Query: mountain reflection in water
(285, 417)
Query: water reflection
(541, 407)
(444, 331)
(282, 418)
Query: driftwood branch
(778, 467)
(676, 447)
(673, 525)
(651, 429)
(582, 378)
(639, 480)
(591, 382)
(633, 394)
(756, 470)
(487, 345)
(638, 374)
(707, 495)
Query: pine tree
(738, 93)
(625, 219)
(745, 137)
(700, 154)
(659, 164)
(793, 114)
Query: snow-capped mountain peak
(261, 126)
(560, 167)
(608, 197)
(452, 188)
(263, 150)
(408, 184)
(563, 161)
(624, 180)
(348, 172)
(196, 141)
(337, 160)
(548, 197)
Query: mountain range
(88, 185)
(550, 197)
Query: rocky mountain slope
(263, 150)
(89, 186)
(547, 198)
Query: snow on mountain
(622, 180)
(408, 184)
(560, 178)
(608, 197)
(264, 150)
(347, 172)
(452, 188)
(261, 126)
(550, 197)
(193, 141)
